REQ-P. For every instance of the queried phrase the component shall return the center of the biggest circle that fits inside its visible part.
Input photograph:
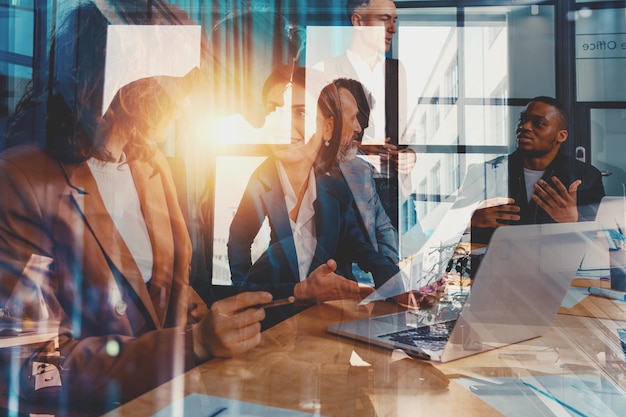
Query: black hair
(364, 101)
(550, 101)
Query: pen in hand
(277, 303)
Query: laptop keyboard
(430, 337)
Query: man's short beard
(534, 154)
(531, 154)
(348, 152)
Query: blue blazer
(339, 236)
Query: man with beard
(359, 174)
(544, 185)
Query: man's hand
(231, 327)
(495, 212)
(324, 285)
(406, 161)
(557, 201)
(402, 160)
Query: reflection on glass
(491, 125)
(608, 128)
(232, 174)
(601, 55)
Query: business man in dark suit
(358, 175)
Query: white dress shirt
(303, 229)
(117, 188)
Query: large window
(16, 55)
(464, 84)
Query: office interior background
(471, 67)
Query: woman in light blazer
(98, 206)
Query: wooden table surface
(302, 367)
(594, 306)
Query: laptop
(516, 293)
(612, 213)
(611, 216)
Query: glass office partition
(464, 87)
(601, 55)
(608, 147)
(510, 51)
(233, 173)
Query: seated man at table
(358, 175)
(536, 183)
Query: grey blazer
(376, 225)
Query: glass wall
(608, 144)
(601, 55)
(462, 87)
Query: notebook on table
(515, 296)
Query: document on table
(594, 273)
(583, 395)
(574, 296)
(210, 406)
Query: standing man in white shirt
(374, 24)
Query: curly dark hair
(550, 101)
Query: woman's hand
(324, 285)
(231, 327)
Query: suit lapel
(87, 200)
(274, 201)
(154, 206)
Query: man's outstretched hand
(324, 285)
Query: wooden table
(594, 306)
(300, 366)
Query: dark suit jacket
(339, 236)
(94, 286)
(566, 169)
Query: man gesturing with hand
(543, 185)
